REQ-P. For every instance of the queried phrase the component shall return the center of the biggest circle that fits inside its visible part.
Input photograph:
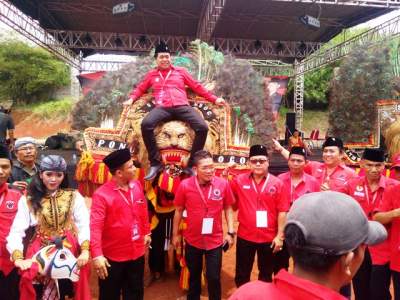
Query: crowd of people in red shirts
(338, 227)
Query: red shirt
(308, 184)
(336, 180)
(268, 197)
(359, 189)
(169, 87)
(118, 222)
(8, 209)
(285, 286)
(390, 201)
(216, 196)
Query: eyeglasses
(260, 161)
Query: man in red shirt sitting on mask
(326, 234)
(168, 83)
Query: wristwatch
(232, 234)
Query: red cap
(395, 160)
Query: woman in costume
(55, 212)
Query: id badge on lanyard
(261, 215)
(261, 219)
(161, 96)
(135, 226)
(207, 222)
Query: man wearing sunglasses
(262, 214)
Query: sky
(4, 29)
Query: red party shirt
(336, 180)
(391, 201)
(359, 189)
(201, 202)
(8, 209)
(169, 87)
(250, 197)
(308, 184)
(118, 222)
(285, 286)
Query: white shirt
(25, 218)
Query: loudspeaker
(290, 125)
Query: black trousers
(159, 236)
(9, 285)
(396, 284)
(194, 261)
(125, 277)
(380, 282)
(163, 114)
(362, 280)
(245, 253)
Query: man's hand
(220, 101)
(83, 258)
(277, 146)
(176, 241)
(22, 185)
(325, 186)
(396, 213)
(23, 264)
(147, 240)
(277, 244)
(229, 239)
(128, 102)
(100, 265)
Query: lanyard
(201, 193)
(2, 199)
(293, 189)
(375, 194)
(130, 203)
(263, 187)
(164, 79)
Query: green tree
(29, 73)
(317, 82)
(364, 77)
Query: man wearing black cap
(326, 252)
(372, 281)
(168, 83)
(262, 213)
(9, 278)
(296, 182)
(332, 174)
(119, 230)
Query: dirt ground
(28, 125)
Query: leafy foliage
(29, 73)
(364, 77)
(105, 99)
(247, 91)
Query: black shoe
(188, 171)
(153, 172)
